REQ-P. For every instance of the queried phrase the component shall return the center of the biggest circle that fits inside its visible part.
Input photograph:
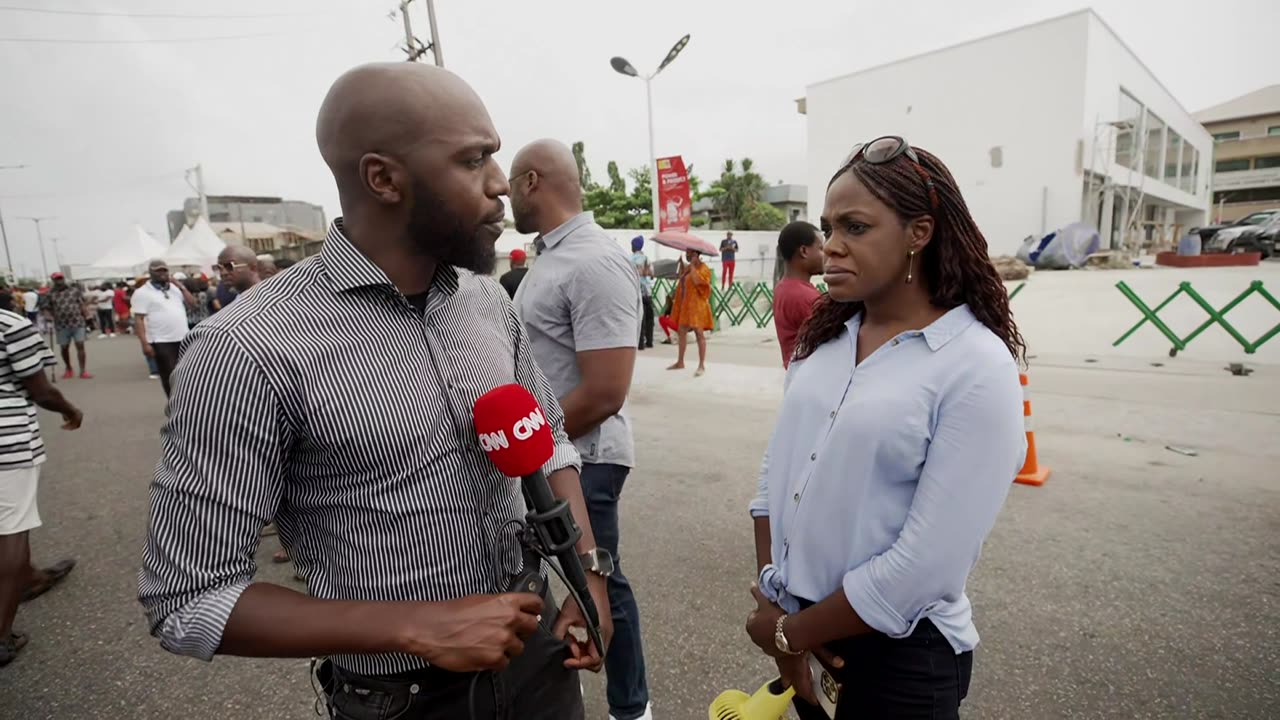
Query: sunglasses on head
(884, 150)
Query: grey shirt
(582, 294)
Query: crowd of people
(900, 430)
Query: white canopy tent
(196, 247)
(128, 257)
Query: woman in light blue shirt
(899, 435)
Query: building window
(1172, 151)
(1267, 161)
(1233, 135)
(1128, 127)
(1195, 172)
(1231, 165)
(1273, 130)
(1187, 173)
(1154, 150)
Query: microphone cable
(577, 599)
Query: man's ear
(919, 233)
(383, 178)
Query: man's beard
(441, 234)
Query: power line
(146, 41)
(169, 16)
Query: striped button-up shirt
(324, 400)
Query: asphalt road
(1137, 583)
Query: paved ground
(1138, 583)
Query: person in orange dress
(691, 309)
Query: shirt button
(895, 341)
(796, 497)
(833, 413)
(814, 456)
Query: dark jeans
(646, 322)
(535, 686)
(105, 324)
(916, 677)
(628, 692)
(166, 361)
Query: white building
(1043, 125)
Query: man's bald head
(544, 186)
(238, 265)
(410, 148)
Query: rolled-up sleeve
(977, 448)
(530, 376)
(218, 482)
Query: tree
(761, 216)
(584, 172)
(737, 197)
(616, 207)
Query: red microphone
(514, 433)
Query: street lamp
(40, 239)
(623, 67)
(8, 261)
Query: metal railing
(1216, 317)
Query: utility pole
(198, 172)
(413, 46)
(40, 238)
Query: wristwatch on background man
(598, 561)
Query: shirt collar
(553, 238)
(350, 269)
(938, 333)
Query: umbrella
(682, 241)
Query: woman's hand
(795, 673)
(762, 623)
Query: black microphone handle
(538, 492)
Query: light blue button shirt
(884, 479)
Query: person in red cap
(511, 278)
(64, 303)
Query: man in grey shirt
(580, 305)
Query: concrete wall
(1019, 93)
(756, 249)
(1247, 127)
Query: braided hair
(955, 263)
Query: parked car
(1216, 238)
(1257, 238)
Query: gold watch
(780, 638)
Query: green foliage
(737, 193)
(761, 216)
(699, 221)
(616, 183)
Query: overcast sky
(106, 129)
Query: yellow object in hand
(769, 703)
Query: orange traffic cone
(1032, 473)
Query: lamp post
(8, 260)
(40, 239)
(623, 67)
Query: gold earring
(911, 262)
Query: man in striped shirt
(358, 439)
(23, 385)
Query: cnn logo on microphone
(521, 430)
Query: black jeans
(626, 687)
(919, 677)
(646, 322)
(166, 361)
(105, 323)
(535, 686)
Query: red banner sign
(674, 206)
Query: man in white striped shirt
(358, 439)
(23, 385)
